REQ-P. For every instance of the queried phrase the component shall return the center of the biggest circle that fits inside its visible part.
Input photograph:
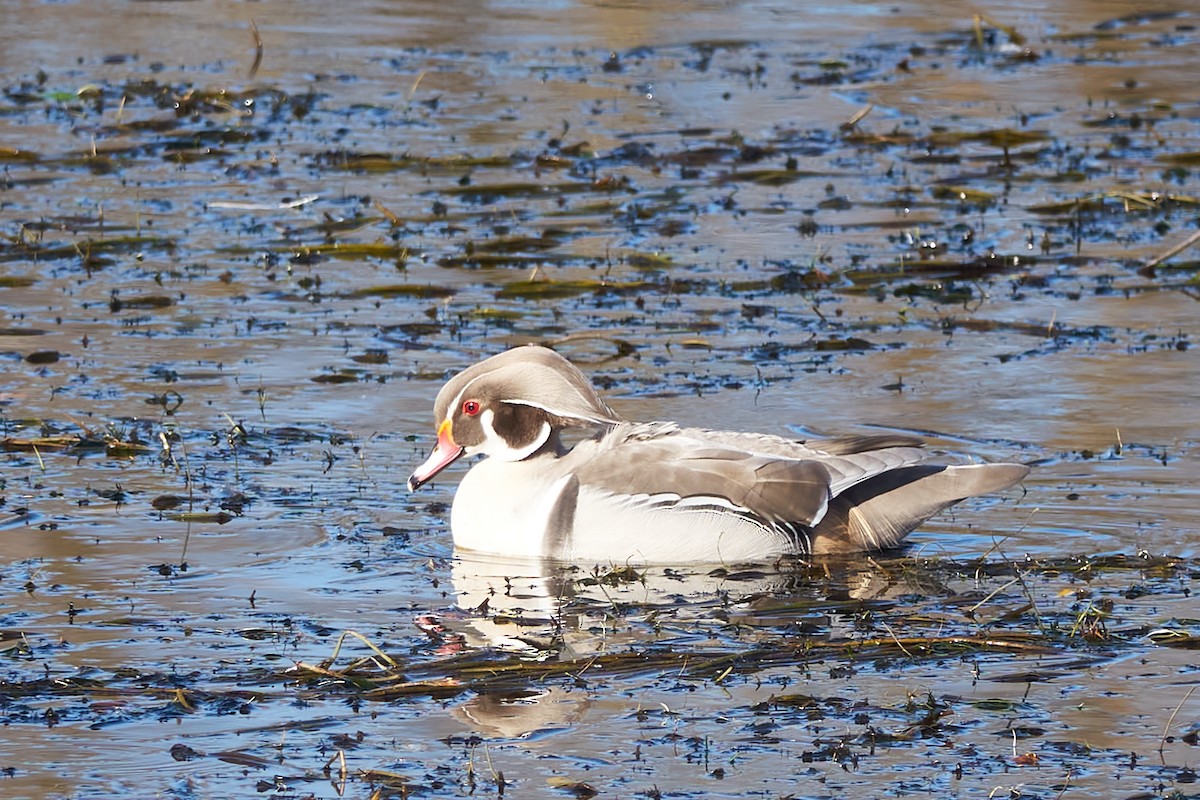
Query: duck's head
(508, 407)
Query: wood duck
(655, 492)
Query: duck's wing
(881, 488)
(660, 465)
(768, 445)
(865, 493)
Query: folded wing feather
(862, 493)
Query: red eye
(471, 408)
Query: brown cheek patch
(518, 425)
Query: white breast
(504, 507)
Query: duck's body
(658, 493)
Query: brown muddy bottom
(231, 289)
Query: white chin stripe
(496, 447)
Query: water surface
(242, 289)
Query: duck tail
(878, 513)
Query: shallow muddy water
(231, 292)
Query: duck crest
(531, 376)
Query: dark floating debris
(43, 357)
